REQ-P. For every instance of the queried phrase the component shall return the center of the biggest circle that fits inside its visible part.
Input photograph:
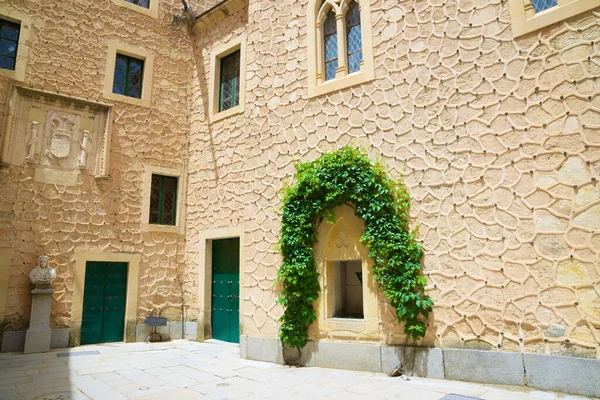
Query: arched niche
(337, 252)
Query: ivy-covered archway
(349, 176)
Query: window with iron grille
(141, 3)
(229, 86)
(163, 200)
(9, 40)
(128, 78)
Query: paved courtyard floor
(182, 370)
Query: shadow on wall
(203, 42)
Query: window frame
(525, 20)
(348, 27)
(22, 57)
(330, 13)
(219, 53)
(339, 295)
(317, 11)
(2, 22)
(180, 174)
(236, 85)
(126, 87)
(161, 199)
(139, 53)
(151, 11)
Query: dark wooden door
(225, 319)
(104, 299)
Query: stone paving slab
(182, 370)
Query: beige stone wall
(68, 52)
(497, 139)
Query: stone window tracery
(530, 15)
(340, 45)
(331, 46)
(353, 37)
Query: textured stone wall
(497, 140)
(68, 56)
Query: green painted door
(226, 290)
(104, 297)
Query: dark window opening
(348, 290)
(129, 74)
(141, 3)
(9, 43)
(163, 200)
(229, 85)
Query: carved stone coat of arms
(62, 130)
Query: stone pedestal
(37, 339)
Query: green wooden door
(104, 298)
(226, 290)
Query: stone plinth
(37, 339)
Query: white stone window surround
(525, 20)
(180, 174)
(317, 14)
(9, 14)
(152, 11)
(235, 44)
(140, 53)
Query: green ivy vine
(349, 176)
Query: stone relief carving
(42, 275)
(84, 145)
(32, 142)
(61, 129)
(50, 131)
(342, 240)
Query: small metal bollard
(154, 322)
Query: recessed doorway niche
(347, 307)
(347, 289)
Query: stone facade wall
(497, 139)
(68, 52)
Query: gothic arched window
(353, 37)
(339, 45)
(331, 46)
